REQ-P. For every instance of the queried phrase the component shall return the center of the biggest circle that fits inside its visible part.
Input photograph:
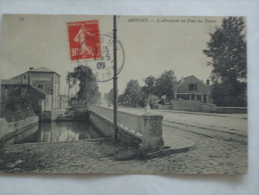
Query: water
(59, 132)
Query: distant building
(191, 88)
(44, 80)
(10, 89)
(9, 86)
(63, 101)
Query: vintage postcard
(123, 94)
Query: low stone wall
(51, 115)
(105, 125)
(188, 105)
(231, 110)
(10, 130)
(144, 131)
(208, 108)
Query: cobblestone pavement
(214, 153)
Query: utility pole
(115, 91)
(68, 93)
(85, 88)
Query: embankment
(8, 131)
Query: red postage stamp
(84, 40)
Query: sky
(149, 45)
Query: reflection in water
(67, 131)
(62, 131)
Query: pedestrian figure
(147, 107)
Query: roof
(180, 82)
(186, 80)
(43, 69)
(31, 90)
(11, 82)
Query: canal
(58, 132)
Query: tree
(132, 95)
(166, 85)
(109, 96)
(227, 52)
(89, 90)
(20, 106)
(149, 87)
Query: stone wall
(231, 110)
(10, 130)
(144, 131)
(51, 115)
(189, 105)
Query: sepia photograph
(118, 94)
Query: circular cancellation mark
(100, 58)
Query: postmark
(103, 67)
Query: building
(44, 80)
(191, 88)
(14, 90)
(63, 101)
(43, 83)
(9, 86)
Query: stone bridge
(144, 131)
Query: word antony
(138, 20)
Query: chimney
(31, 68)
(208, 82)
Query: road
(220, 140)
(231, 123)
(218, 126)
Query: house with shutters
(191, 88)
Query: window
(24, 76)
(193, 87)
(40, 86)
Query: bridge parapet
(145, 130)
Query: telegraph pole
(115, 95)
(86, 87)
(68, 95)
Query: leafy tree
(19, 107)
(149, 87)
(109, 96)
(166, 85)
(89, 90)
(227, 52)
(132, 95)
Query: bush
(77, 113)
(19, 107)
